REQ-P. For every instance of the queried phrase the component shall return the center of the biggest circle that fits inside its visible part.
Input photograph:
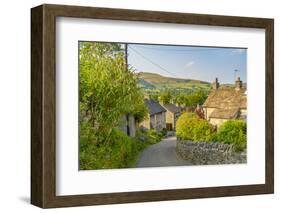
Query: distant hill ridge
(154, 78)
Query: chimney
(238, 84)
(216, 84)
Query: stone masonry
(208, 153)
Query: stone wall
(204, 153)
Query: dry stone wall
(204, 153)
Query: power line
(155, 64)
(198, 49)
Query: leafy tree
(108, 89)
(180, 99)
(154, 96)
(191, 99)
(139, 109)
(198, 97)
(165, 97)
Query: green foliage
(164, 132)
(154, 96)
(165, 97)
(190, 127)
(157, 136)
(140, 110)
(233, 132)
(153, 81)
(108, 90)
(121, 153)
(150, 136)
(180, 99)
(191, 99)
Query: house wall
(152, 121)
(207, 112)
(170, 118)
(163, 120)
(160, 121)
(217, 121)
(176, 116)
(156, 121)
(146, 123)
(132, 126)
(131, 123)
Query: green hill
(154, 78)
(145, 85)
(151, 81)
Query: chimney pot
(238, 84)
(216, 84)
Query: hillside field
(151, 81)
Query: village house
(156, 118)
(226, 103)
(172, 114)
(128, 125)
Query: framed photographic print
(136, 106)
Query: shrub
(233, 132)
(190, 127)
(150, 136)
(120, 153)
(164, 132)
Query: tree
(192, 99)
(154, 96)
(108, 89)
(180, 99)
(165, 97)
(198, 97)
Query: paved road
(161, 154)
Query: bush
(150, 136)
(233, 132)
(190, 127)
(120, 153)
(164, 132)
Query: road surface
(161, 154)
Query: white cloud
(189, 64)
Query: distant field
(152, 81)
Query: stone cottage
(225, 103)
(172, 114)
(156, 118)
(128, 125)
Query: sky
(192, 62)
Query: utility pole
(127, 68)
(126, 55)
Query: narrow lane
(161, 154)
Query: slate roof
(172, 108)
(227, 98)
(154, 107)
